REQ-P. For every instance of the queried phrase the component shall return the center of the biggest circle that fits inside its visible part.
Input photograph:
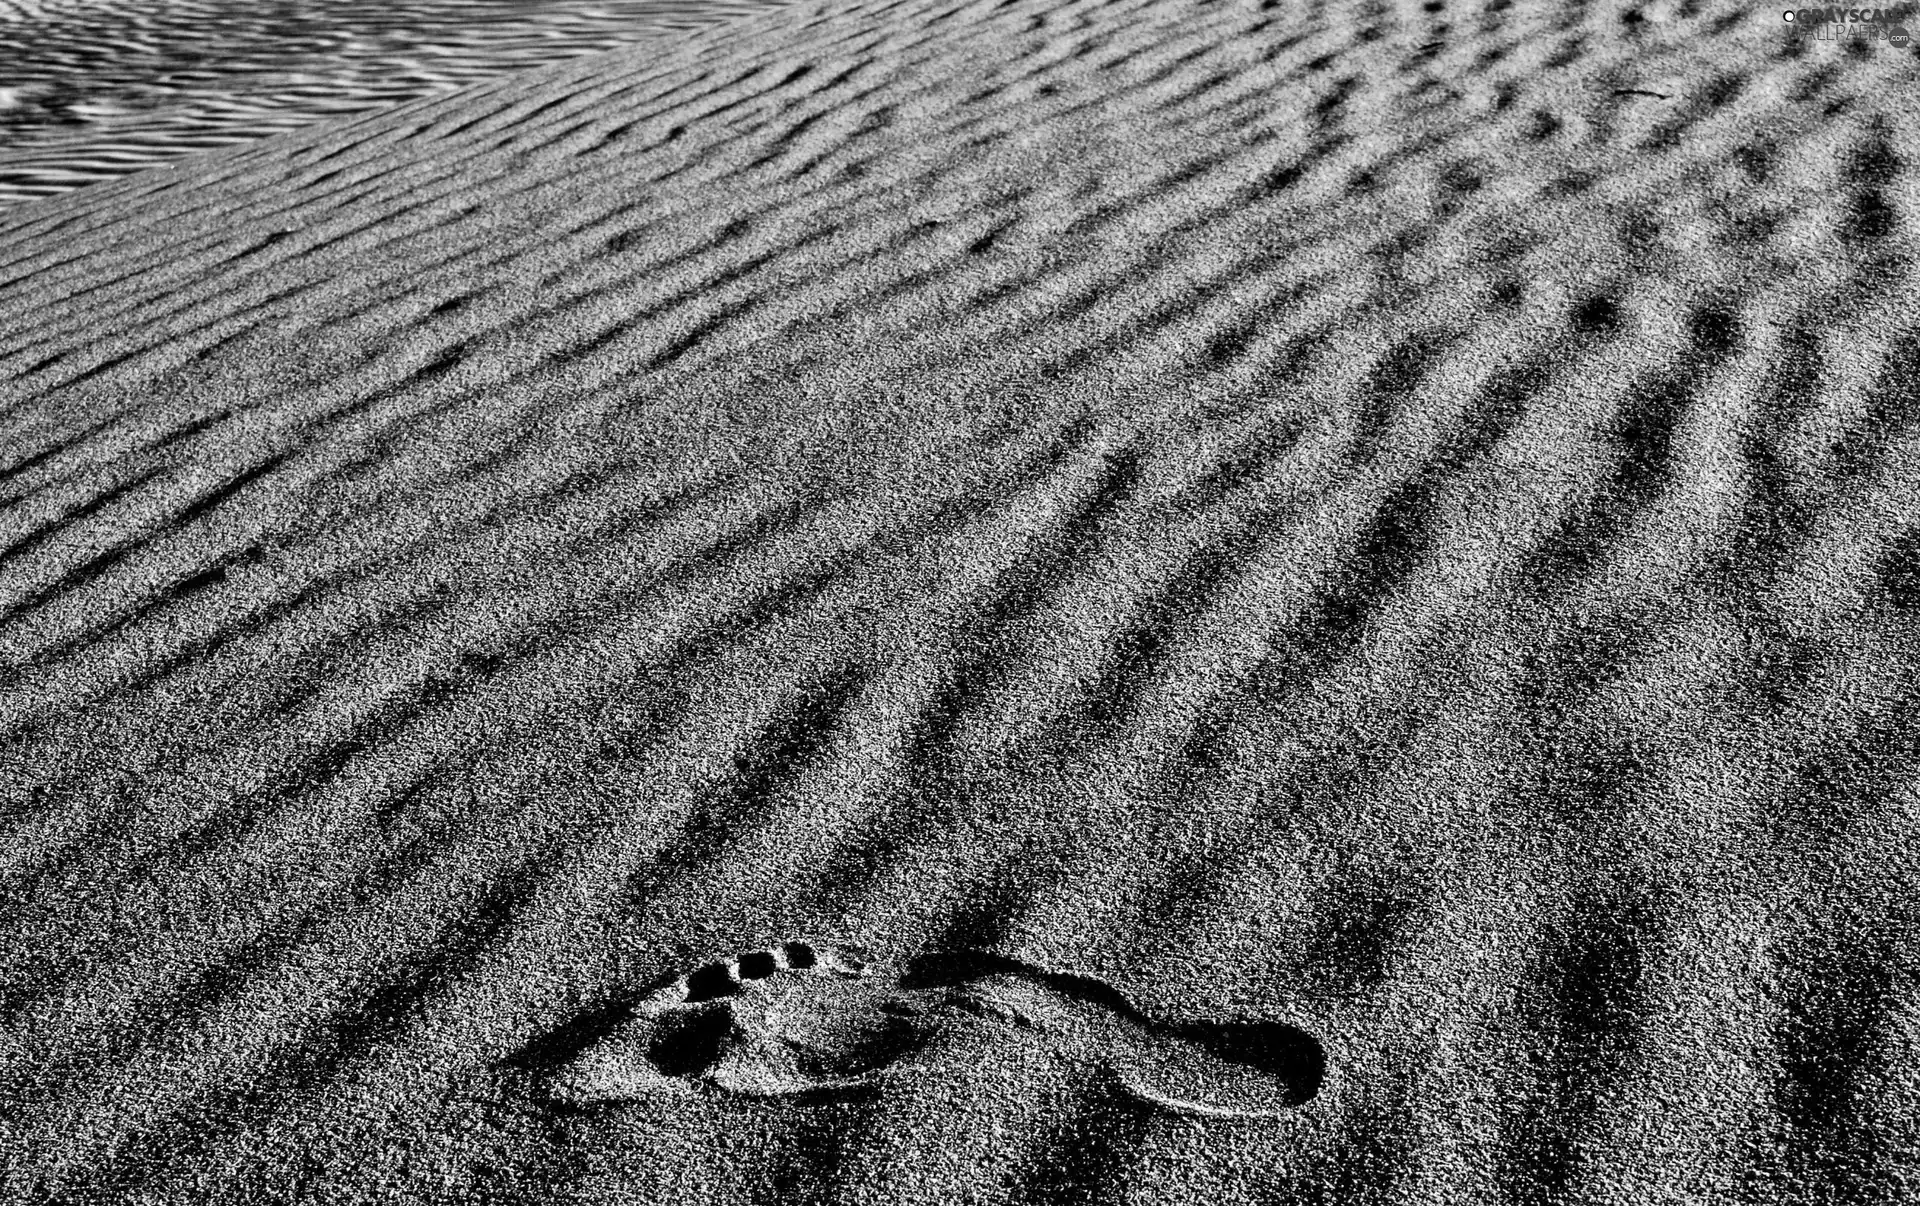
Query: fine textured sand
(1032, 601)
(94, 89)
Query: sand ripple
(1403, 524)
(90, 91)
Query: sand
(1034, 601)
(95, 89)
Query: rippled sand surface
(983, 601)
(92, 90)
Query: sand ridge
(90, 91)
(1354, 517)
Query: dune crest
(92, 90)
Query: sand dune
(1378, 533)
(91, 90)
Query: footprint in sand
(816, 1018)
